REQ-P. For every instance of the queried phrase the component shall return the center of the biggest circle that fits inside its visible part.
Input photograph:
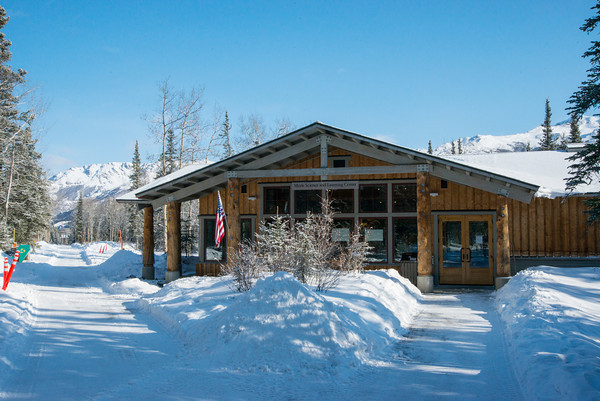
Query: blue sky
(403, 71)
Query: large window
(405, 239)
(404, 198)
(307, 201)
(342, 200)
(277, 200)
(375, 232)
(211, 252)
(247, 233)
(373, 198)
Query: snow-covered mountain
(97, 181)
(516, 142)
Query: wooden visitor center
(437, 221)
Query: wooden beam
(502, 236)
(233, 216)
(184, 193)
(483, 183)
(309, 172)
(148, 244)
(424, 229)
(369, 151)
(173, 241)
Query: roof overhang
(267, 160)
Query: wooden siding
(406, 269)
(545, 227)
(552, 227)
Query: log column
(148, 246)
(424, 265)
(233, 216)
(503, 242)
(173, 241)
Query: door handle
(468, 254)
(462, 255)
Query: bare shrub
(245, 267)
(305, 249)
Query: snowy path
(82, 341)
(454, 351)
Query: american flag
(220, 223)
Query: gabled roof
(260, 161)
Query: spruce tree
(575, 134)
(460, 149)
(135, 228)
(528, 147)
(562, 143)
(548, 141)
(24, 199)
(78, 225)
(453, 148)
(585, 167)
(429, 148)
(225, 139)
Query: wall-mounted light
(252, 198)
(434, 194)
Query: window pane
(376, 235)
(479, 244)
(405, 239)
(210, 251)
(451, 244)
(373, 198)
(246, 229)
(342, 200)
(307, 201)
(277, 200)
(342, 229)
(404, 197)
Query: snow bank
(552, 317)
(284, 326)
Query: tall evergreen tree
(585, 167)
(225, 138)
(460, 149)
(137, 172)
(135, 229)
(78, 225)
(528, 147)
(548, 141)
(23, 186)
(453, 150)
(429, 148)
(575, 134)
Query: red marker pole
(121, 239)
(11, 270)
(5, 276)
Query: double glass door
(466, 249)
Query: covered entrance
(466, 249)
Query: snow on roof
(547, 169)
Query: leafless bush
(305, 249)
(245, 267)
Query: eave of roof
(158, 191)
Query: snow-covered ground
(553, 320)
(75, 325)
